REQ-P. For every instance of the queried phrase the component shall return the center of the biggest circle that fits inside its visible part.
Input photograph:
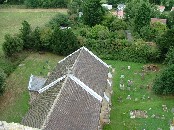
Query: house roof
(72, 94)
(161, 8)
(163, 21)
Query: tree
(114, 3)
(166, 41)
(63, 42)
(170, 19)
(12, 45)
(93, 12)
(169, 60)
(131, 9)
(26, 35)
(164, 83)
(142, 18)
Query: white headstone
(109, 75)
(128, 97)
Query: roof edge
(86, 88)
(29, 84)
(97, 58)
(51, 84)
(69, 55)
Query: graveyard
(137, 107)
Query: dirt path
(33, 10)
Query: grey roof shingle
(41, 106)
(75, 109)
(91, 72)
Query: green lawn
(11, 19)
(120, 116)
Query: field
(14, 102)
(12, 18)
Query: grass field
(11, 19)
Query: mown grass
(120, 116)
(14, 102)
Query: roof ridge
(97, 58)
(54, 103)
(51, 84)
(85, 87)
(69, 55)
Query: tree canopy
(92, 12)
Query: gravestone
(136, 99)
(172, 110)
(165, 108)
(138, 114)
(128, 97)
(122, 86)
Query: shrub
(118, 24)
(96, 31)
(59, 20)
(2, 81)
(12, 45)
(165, 42)
(26, 35)
(35, 39)
(45, 37)
(170, 19)
(164, 83)
(169, 60)
(63, 42)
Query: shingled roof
(72, 94)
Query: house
(163, 21)
(172, 9)
(75, 96)
(119, 14)
(161, 8)
(121, 7)
(109, 7)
